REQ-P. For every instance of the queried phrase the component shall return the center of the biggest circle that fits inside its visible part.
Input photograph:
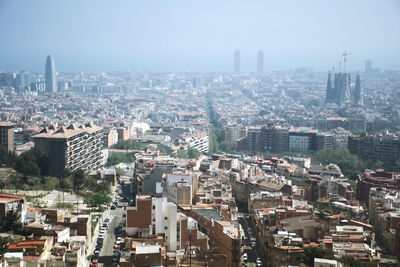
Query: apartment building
(73, 147)
(7, 135)
(198, 140)
(384, 146)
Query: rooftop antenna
(345, 54)
(340, 66)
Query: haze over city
(200, 133)
(94, 36)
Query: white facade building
(164, 215)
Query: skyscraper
(51, 79)
(357, 97)
(236, 66)
(329, 89)
(260, 61)
(368, 66)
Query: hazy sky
(197, 35)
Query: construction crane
(193, 250)
(345, 54)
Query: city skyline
(207, 133)
(128, 35)
(237, 59)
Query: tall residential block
(73, 147)
(236, 64)
(7, 135)
(51, 79)
(233, 133)
(260, 61)
(383, 146)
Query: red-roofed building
(38, 248)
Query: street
(106, 251)
(252, 251)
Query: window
(154, 207)
(165, 227)
(165, 218)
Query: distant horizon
(197, 36)
(204, 71)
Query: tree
(128, 144)
(310, 253)
(91, 183)
(350, 164)
(182, 154)
(27, 167)
(67, 183)
(40, 158)
(120, 157)
(10, 222)
(162, 150)
(79, 178)
(226, 146)
(193, 153)
(97, 200)
(7, 158)
(66, 173)
(51, 183)
(32, 162)
(103, 187)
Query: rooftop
(210, 214)
(6, 124)
(66, 132)
(5, 198)
(149, 249)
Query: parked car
(96, 254)
(244, 256)
(115, 257)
